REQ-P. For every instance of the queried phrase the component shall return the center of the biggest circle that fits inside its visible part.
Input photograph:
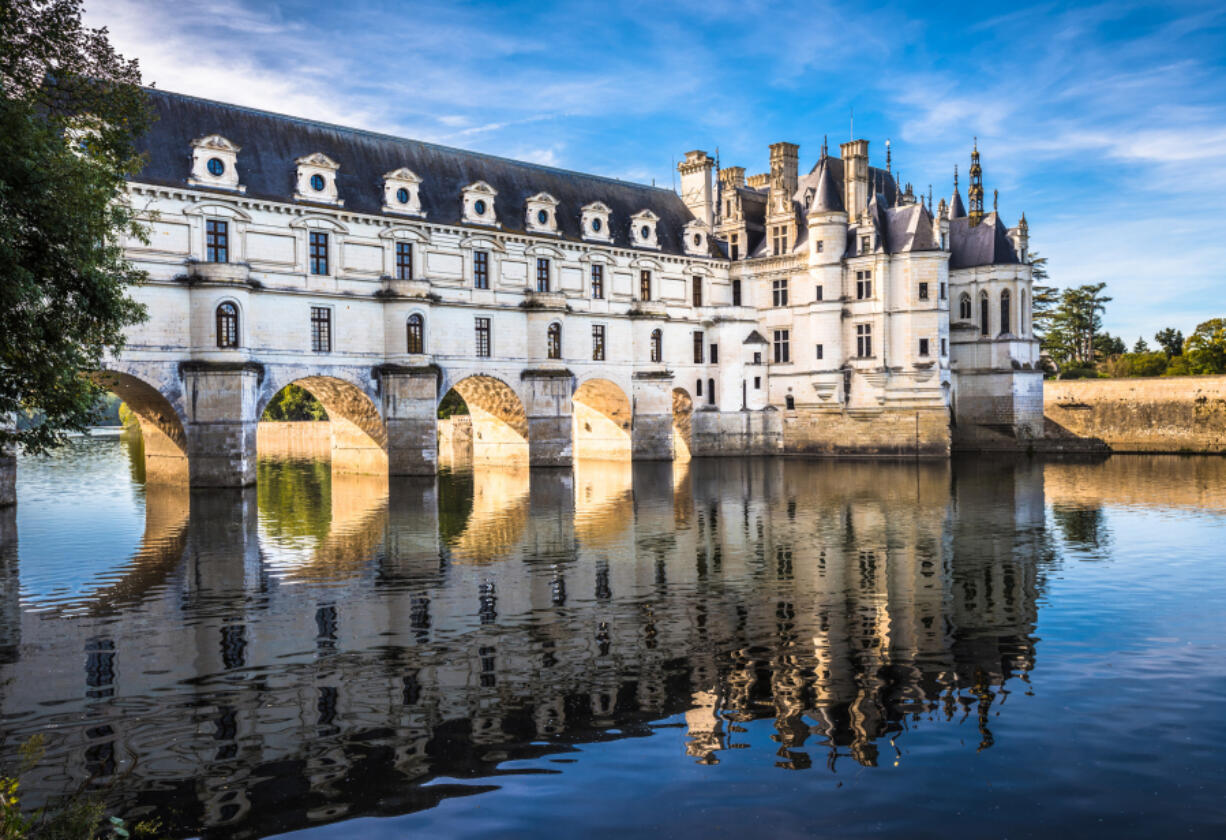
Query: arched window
(964, 307)
(417, 334)
(1005, 322)
(1021, 313)
(657, 345)
(227, 325)
(983, 314)
(554, 340)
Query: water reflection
(329, 646)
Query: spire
(825, 149)
(956, 209)
(930, 199)
(1023, 225)
(827, 198)
(887, 155)
(974, 193)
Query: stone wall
(735, 432)
(923, 432)
(294, 440)
(1164, 414)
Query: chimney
(732, 176)
(855, 176)
(696, 185)
(784, 176)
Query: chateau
(829, 312)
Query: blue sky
(1105, 123)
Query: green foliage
(451, 404)
(1072, 329)
(1170, 340)
(295, 498)
(1205, 349)
(1074, 371)
(1107, 345)
(1178, 366)
(127, 417)
(70, 113)
(1136, 364)
(1142, 346)
(294, 403)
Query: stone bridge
(199, 418)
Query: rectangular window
(944, 350)
(783, 350)
(864, 240)
(217, 241)
(779, 292)
(697, 290)
(404, 260)
(321, 329)
(698, 345)
(864, 340)
(864, 285)
(757, 383)
(318, 252)
(942, 291)
(923, 291)
(757, 358)
(820, 351)
(542, 274)
(481, 269)
(821, 246)
(923, 350)
(779, 239)
(644, 285)
(818, 295)
(483, 338)
(714, 354)
(736, 292)
(597, 281)
(698, 388)
(597, 342)
(735, 247)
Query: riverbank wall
(309, 439)
(1175, 414)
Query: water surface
(725, 648)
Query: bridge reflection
(323, 646)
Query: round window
(645, 233)
(542, 217)
(402, 195)
(479, 207)
(596, 225)
(216, 167)
(318, 183)
(697, 239)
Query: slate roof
(986, 244)
(271, 143)
(754, 337)
(956, 209)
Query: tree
(1205, 349)
(1107, 345)
(1142, 346)
(1170, 340)
(293, 403)
(71, 110)
(1076, 323)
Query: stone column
(652, 426)
(221, 423)
(549, 410)
(410, 412)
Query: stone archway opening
(482, 421)
(343, 424)
(683, 416)
(602, 415)
(161, 431)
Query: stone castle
(833, 312)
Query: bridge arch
(499, 422)
(161, 425)
(357, 431)
(602, 420)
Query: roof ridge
(426, 143)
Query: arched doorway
(683, 413)
(482, 419)
(163, 439)
(601, 421)
(349, 427)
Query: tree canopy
(71, 110)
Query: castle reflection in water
(321, 647)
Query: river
(734, 647)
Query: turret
(827, 220)
(696, 186)
(1020, 237)
(956, 208)
(855, 176)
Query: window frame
(403, 259)
(924, 348)
(319, 258)
(779, 292)
(696, 290)
(416, 322)
(597, 281)
(227, 325)
(699, 347)
(481, 269)
(217, 240)
(484, 338)
(657, 345)
(553, 341)
(923, 290)
(542, 274)
(645, 284)
(599, 344)
(321, 329)
(864, 341)
(782, 346)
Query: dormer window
(478, 206)
(595, 222)
(215, 163)
(317, 180)
(643, 229)
(541, 214)
(400, 194)
(694, 238)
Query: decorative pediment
(318, 159)
(215, 163)
(643, 229)
(478, 204)
(400, 193)
(594, 222)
